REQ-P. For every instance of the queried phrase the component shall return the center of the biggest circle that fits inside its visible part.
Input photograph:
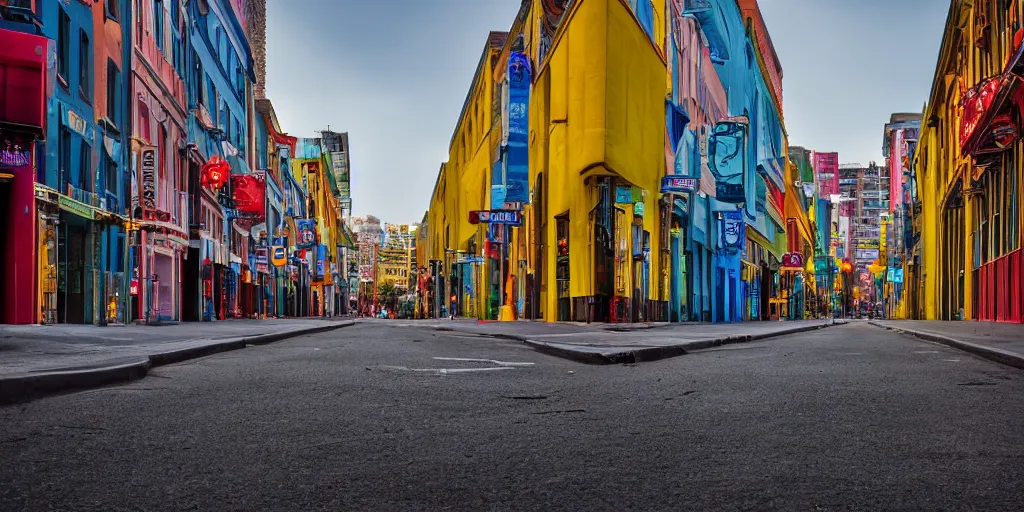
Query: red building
(22, 123)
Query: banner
(732, 231)
(321, 259)
(250, 195)
(366, 273)
(307, 233)
(517, 167)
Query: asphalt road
(846, 418)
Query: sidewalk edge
(647, 354)
(991, 353)
(24, 388)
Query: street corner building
(144, 175)
(964, 258)
(600, 170)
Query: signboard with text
(504, 217)
(678, 185)
(147, 165)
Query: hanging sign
(793, 260)
(148, 162)
(307, 233)
(278, 256)
(250, 195)
(678, 185)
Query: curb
(23, 388)
(647, 354)
(991, 353)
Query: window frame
(113, 93)
(64, 48)
(158, 24)
(85, 66)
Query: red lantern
(215, 173)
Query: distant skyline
(394, 75)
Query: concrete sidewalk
(606, 344)
(1003, 343)
(37, 360)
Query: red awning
(23, 80)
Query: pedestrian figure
(452, 311)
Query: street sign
(678, 185)
(511, 218)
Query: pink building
(159, 182)
(826, 172)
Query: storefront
(18, 230)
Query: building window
(84, 161)
(113, 9)
(64, 47)
(158, 23)
(110, 174)
(85, 68)
(65, 159)
(113, 87)
(144, 125)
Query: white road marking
(492, 361)
(952, 360)
(444, 371)
(926, 351)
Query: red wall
(20, 250)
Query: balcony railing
(84, 196)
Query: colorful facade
(561, 135)
(141, 181)
(968, 171)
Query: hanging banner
(321, 258)
(147, 167)
(262, 266)
(307, 233)
(733, 230)
(517, 167)
(498, 184)
(366, 273)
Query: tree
(388, 294)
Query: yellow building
(592, 233)
(968, 175)
(463, 185)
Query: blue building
(218, 78)
(732, 230)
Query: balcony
(89, 198)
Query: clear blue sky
(394, 74)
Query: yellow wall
(597, 110)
